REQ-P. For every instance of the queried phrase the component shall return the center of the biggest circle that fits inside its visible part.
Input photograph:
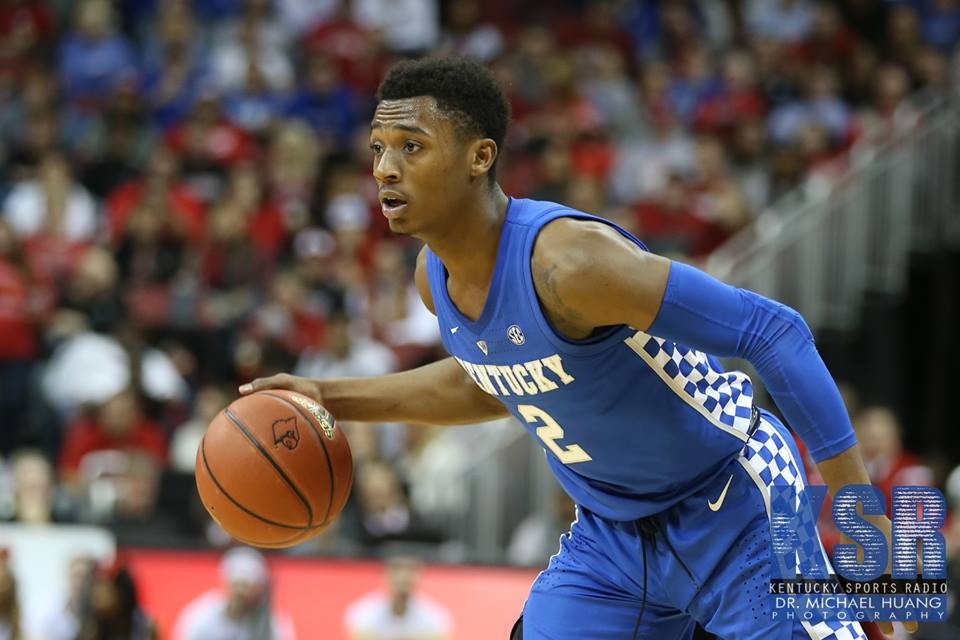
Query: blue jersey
(631, 424)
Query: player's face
(421, 166)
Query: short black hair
(464, 89)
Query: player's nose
(386, 169)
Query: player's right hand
(304, 386)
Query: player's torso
(630, 423)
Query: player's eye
(410, 146)
(376, 147)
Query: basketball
(273, 469)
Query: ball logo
(515, 335)
(285, 432)
(323, 417)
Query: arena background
(185, 204)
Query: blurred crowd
(185, 201)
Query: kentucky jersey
(631, 424)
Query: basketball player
(605, 353)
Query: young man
(569, 324)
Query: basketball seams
(266, 454)
(216, 483)
(326, 453)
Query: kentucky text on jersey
(528, 378)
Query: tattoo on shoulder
(558, 311)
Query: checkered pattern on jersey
(836, 630)
(727, 397)
(770, 456)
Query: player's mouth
(392, 204)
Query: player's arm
(588, 275)
(440, 393)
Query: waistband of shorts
(648, 526)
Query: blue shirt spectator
(940, 24)
(324, 102)
(782, 20)
(93, 59)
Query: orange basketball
(273, 468)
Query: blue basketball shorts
(706, 566)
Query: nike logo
(454, 330)
(715, 506)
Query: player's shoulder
(422, 281)
(569, 245)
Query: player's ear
(483, 153)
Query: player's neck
(468, 247)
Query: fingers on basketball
(278, 381)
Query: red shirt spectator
(181, 203)
(118, 424)
(668, 225)
(353, 49)
(18, 339)
(207, 137)
(160, 182)
(23, 25)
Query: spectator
(384, 510)
(87, 369)
(117, 424)
(186, 437)
(94, 59)
(294, 155)
(667, 222)
(23, 304)
(736, 100)
(208, 144)
(891, 113)
(175, 67)
(9, 604)
(253, 39)
(822, 106)
(888, 463)
(608, 86)
(64, 620)
(785, 20)
(242, 611)
(162, 186)
(408, 26)
(537, 536)
(32, 123)
(326, 103)
(299, 16)
(903, 34)
(643, 169)
(254, 106)
(940, 23)
(344, 354)
(116, 142)
(53, 204)
(402, 322)
(114, 609)
(37, 499)
(90, 298)
(831, 41)
(26, 28)
(466, 34)
(400, 612)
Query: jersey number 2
(550, 432)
